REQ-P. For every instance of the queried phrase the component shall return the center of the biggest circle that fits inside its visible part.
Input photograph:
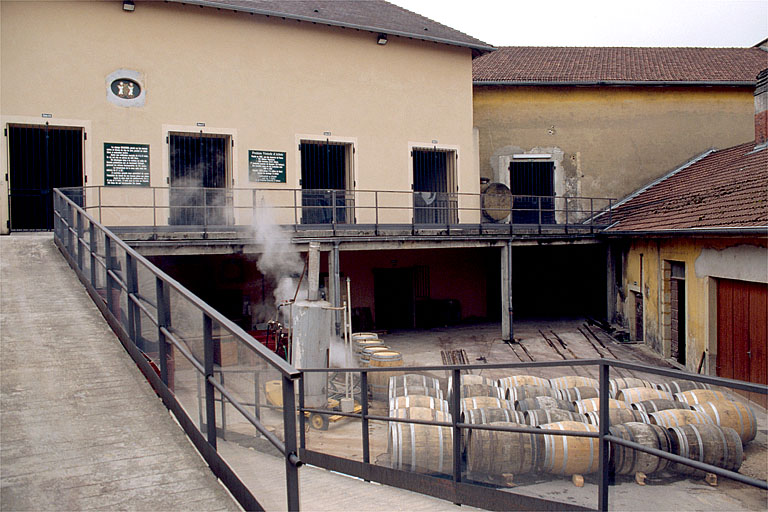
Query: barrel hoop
(399, 445)
(725, 445)
(753, 420)
(548, 453)
(741, 421)
(565, 449)
(682, 448)
(701, 442)
(659, 460)
(413, 445)
(634, 452)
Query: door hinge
(412, 186)
(300, 182)
(85, 178)
(168, 180)
(85, 136)
(6, 176)
(233, 142)
(167, 139)
(5, 131)
(8, 224)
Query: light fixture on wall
(129, 6)
(382, 40)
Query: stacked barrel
(372, 352)
(684, 418)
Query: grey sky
(602, 22)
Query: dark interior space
(559, 281)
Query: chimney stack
(761, 108)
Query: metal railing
(350, 211)
(485, 497)
(113, 282)
(114, 275)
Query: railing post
(364, 415)
(591, 215)
(163, 321)
(79, 240)
(333, 211)
(132, 285)
(154, 211)
(70, 226)
(295, 212)
(538, 201)
(289, 430)
(604, 469)
(610, 211)
(565, 200)
(101, 219)
(93, 248)
(210, 397)
(302, 417)
(456, 411)
(376, 206)
(110, 268)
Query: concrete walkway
(80, 427)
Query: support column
(507, 317)
(610, 284)
(334, 285)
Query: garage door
(742, 332)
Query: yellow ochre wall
(743, 256)
(613, 140)
(265, 81)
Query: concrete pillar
(335, 278)
(507, 317)
(610, 278)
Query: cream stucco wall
(612, 140)
(646, 270)
(265, 81)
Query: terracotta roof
(520, 64)
(372, 15)
(723, 189)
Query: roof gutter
(735, 231)
(325, 21)
(701, 83)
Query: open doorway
(326, 182)
(533, 189)
(434, 186)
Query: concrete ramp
(80, 427)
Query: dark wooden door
(41, 158)
(742, 332)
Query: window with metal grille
(434, 186)
(326, 182)
(41, 158)
(531, 184)
(199, 171)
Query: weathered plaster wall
(610, 140)
(705, 260)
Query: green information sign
(266, 166)
(126, 164)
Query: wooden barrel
(420, 413)
(543, 402)
(421, 448)
(700, 396)
(380, 380)
(682, 386)
(678, 417)
(719, 446)
(522, 392)
(617, 385)
(536, 417)
(470, 390)
(628, 461)
(494, 453)
(593, 404)
(415, 390)
(365, 354)
(578, 393)
(482, 402)
(404, 385)
(572, 381)
(736, 415)
(491, 414)
(471, 379)
(364, 343)
(569, 455)
(403, 402)
(522, 380)
(631, 395)
(619, 416)
(659, 404)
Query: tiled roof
(607, 64)
(371, 15)
(724, 189)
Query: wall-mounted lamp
(129, 6)
(382, 40)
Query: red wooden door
(742, 332)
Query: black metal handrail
(69, 234)
(603, 435)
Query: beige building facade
(250, 81)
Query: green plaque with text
(126, 165)
(266, 166)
